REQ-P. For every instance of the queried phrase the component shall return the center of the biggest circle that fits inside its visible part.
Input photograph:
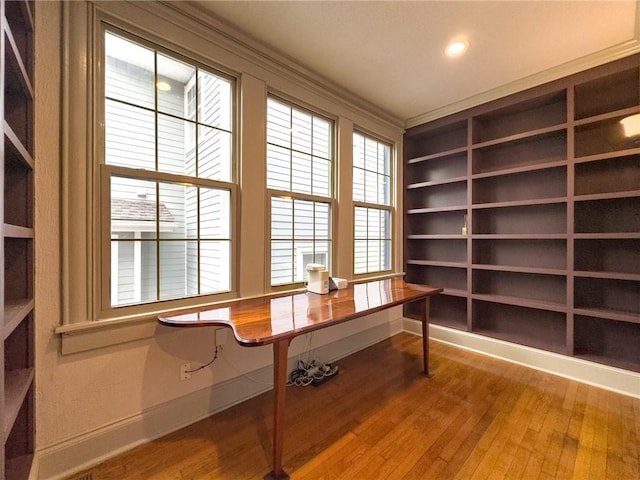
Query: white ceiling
(390, 53)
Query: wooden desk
(277, 320)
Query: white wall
(92, 403)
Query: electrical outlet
(185, 371)
(220, 336)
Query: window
(299, 173)
(167, 176)
(372, 204)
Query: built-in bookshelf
(17, 292)
(527, 211)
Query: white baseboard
(83, 451)
(603, 376)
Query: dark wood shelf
(521, 302)
(437, 182)
(551, 203)
(16, 386)
(608, 314)
(17, 120)
(633, 277)
(624, 112)
(453, 208)
(13, 144)
(607, 236)
(519, 236)
(18, 468)
(15, 311)
(433, 156)
(14, 63)
(607, 196)
(436, 237)
(437, 264)
(520, 203)
(607, 155)
(519, 269)
(17, 231)
(455, 292)
(520, 137)
(520, 169)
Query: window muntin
(168, 161)
(299, 178)
(372, 204)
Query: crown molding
(586, 62)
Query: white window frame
(329, 200)
(93, 304)
(390, 208)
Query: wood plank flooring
(476, 418)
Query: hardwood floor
(476, 418)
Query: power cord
(215, 356)
(311, 374)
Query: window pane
(215, 209)
(129, 136)
(372, 235)
(321, 177)
(360, 223)
(384, 187)
(178, 212)
(322, 144)
(301, 137)
(360, 264)
(371, 170)
(278, 123)
(322, 222)
(303, 219)
(178, 267)
(358, 151)
(133, 206)
(305, 222)
(215, 267)
(370, 187)
(358, 185)
(301, 173)
(281, 218)
(282, 262)
(214, 154)
(173, 78)
(129, 72)
(133, 270)
(278, 168)
(384, 159)
(214, 101)
(176, 142)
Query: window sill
(85, 336)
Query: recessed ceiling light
(457, 48)
(163, 86)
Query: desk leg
(280, 350)
(425, 335)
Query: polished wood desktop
(279, 319)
